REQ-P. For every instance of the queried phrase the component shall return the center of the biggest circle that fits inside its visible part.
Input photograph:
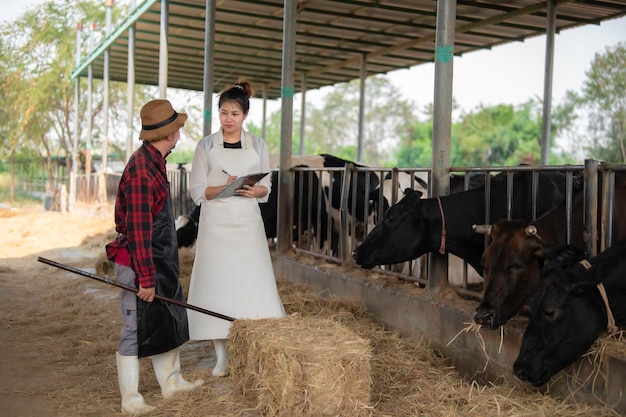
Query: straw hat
(159, 119)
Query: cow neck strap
(609, 314)
(442, 248)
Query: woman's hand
(231, 179)
(252, 191)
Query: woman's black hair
(240, 92)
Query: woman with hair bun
(232, 272)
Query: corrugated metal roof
(332, 37)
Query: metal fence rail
(333, 236)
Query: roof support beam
(163, 63)
(547, 84)
(130, 90)
(442, 127)
(285, 182)
(209, 59)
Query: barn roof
(332, 37)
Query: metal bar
(131, 289)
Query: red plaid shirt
(141, 195)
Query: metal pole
(209, 48)
(130, 84)
(303, 114)
(89, 143)
(264, 112)
(442, 124)
(285, 186)
(163, 57)
(131, 289)
(105, 109)
(547, 84)
(362, 78)
(591, 208)
(74, 172)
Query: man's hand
(146, 294)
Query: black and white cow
(187, 228)
(567, 314)
(418, 181)
(311, 219)
(359, 204)
(308, 207)
(317, 199)
(415, 226)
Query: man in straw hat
(145, 254)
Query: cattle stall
(335, 208)
(321, 257)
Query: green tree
(486, 136)
(272, 133)
(604, 95)
(499, 135)
(334, 127)
(415, 146)
(41, 47)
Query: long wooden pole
(128, 288)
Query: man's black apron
(162, 326)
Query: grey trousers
(128, 300)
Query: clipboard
(231, 189)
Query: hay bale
(301, 366)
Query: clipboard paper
(231, 189)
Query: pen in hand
(224, 171)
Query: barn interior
(338, 42)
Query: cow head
(565, 321)
(397, 236)
(512, 268)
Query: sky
(508, 74)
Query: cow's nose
(520, 373)
(484, 317)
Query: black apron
(162, 326)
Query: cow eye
(549, 314)
(388, 219)
(515, 268)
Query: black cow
(514, 258)
(474, 180)
(307, 206)
(567, 313)
(187, 228)
(316, 195)
(417, 181)
(413, 226)
(361, 189)
(383, 195)
(310, 210)
(316, 208)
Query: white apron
(232, 272)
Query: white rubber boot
(221, 367)
(167, 371)
(128, 379)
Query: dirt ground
(59, 333)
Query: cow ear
(414, 194)
(565, 255)
(579, 287)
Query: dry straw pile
(60, 333)
(301, 366)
